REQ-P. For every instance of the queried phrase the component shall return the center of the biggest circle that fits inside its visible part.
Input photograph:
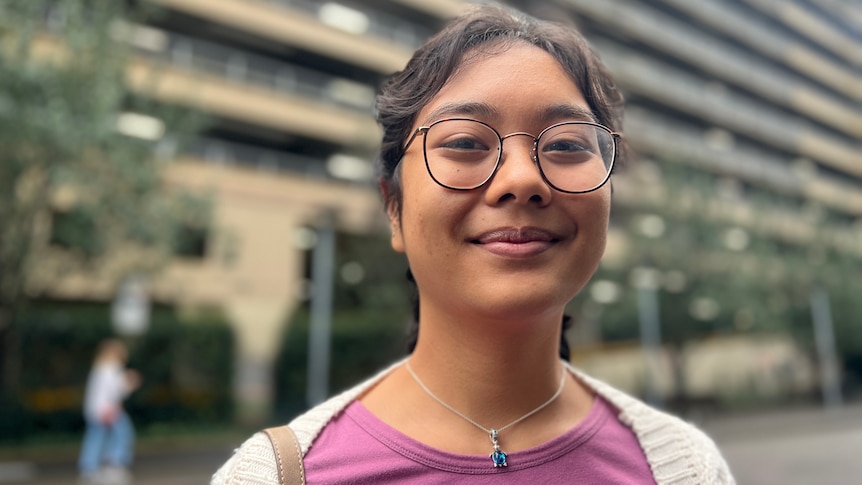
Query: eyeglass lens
(572, 157)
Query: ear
(392, 213)
(395, 226)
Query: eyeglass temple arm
(421, 129)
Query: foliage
(368, 325)
(73, 188)
(362, 343)
(185, 365)
(758, 282)
(383, 286)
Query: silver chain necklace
(498, 456)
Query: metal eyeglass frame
(615, 136)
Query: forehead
(502, 82)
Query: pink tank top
(358, 448)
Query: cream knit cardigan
(677, 452)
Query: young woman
(499, 140)
(106, 453)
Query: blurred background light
(140, 126)
(645, 277)
(652, 226)
(704, 309)
(736, 239)
(349, 167)
(304, 238)
(344, 18)
(675, 281)
(352, 272)
(605, 291)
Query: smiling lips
(516, 242)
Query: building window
(75, 229)
(191, 242)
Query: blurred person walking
(107, 449)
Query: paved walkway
(801, 447)
(793, 447)
(186, 466)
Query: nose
(518, 178)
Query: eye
(562, 145)
(568, 145)
(464, 142)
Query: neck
(491, 370)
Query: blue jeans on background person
(110, 444)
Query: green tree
(718, 276)
(72, 180)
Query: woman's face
(514, 246)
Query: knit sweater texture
(678, 453)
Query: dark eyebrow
(557, 112)
(568, 112)
(480, 110)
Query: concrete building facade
(756, 94)
(289, 88)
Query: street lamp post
(646, 283)
(323, 265)
(824, 339)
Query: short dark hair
(408, 91)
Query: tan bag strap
(288, 455)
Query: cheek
(592, 217)
(597, 227)
(429, 224)
(601, 216)
(406, 227)
(599, 205)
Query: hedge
(185, 364)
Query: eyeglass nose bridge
(534, 155)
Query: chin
(525, 306)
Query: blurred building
(759, 96)
(755, 95)
(746, 120)
(288, 86)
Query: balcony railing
(726, 62)
(380, 24)
(729, 109)
(244, 67)
(215, 151)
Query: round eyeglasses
(574, 157)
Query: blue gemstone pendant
(498, 456)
